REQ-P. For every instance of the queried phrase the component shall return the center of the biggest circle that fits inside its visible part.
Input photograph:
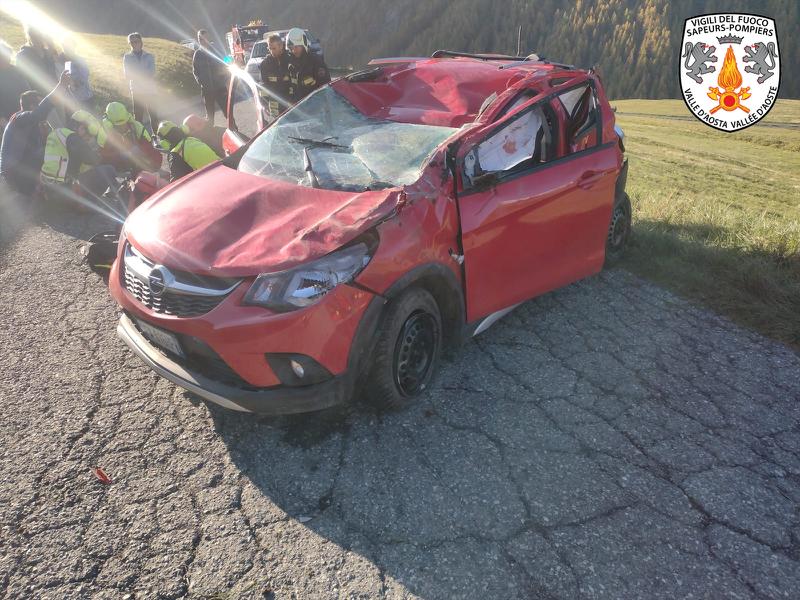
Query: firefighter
(275, 76)
(307, 71)
(71, 158)
(129, 146)
(186, 153)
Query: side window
(521, 144)
(582, 108)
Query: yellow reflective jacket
(196, 153)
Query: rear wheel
(619, 229)
(407, 351)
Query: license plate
(162, 339)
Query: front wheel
(407, 351)
(619, 229)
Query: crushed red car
(391, 214)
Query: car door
(522, 216)
(246, 114)
(594, 166)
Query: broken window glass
(570, 98)
(582, 107)
(326, 142)
(519, 141)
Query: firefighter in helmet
(307, 71)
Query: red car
(392, 213)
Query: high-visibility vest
(56, 156)
(136, 130)
(195, 153)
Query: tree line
(636, 43)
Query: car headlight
(307, 284)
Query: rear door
(246, 115)
(524, 215)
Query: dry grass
(717, 215)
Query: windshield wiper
(309, 169)
(309, 143)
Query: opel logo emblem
(158, 280)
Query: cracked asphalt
(609, 440)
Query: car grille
(169, 304)
(184, 294)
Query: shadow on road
(558, 452)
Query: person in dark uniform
(211, 75)
(275, 76)
(307, 71)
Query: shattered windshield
(325, 142)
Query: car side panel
(424, 231)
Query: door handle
(589, 178)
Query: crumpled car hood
(222, 222)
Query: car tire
(619, 230)
(407, 351)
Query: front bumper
(279, 400)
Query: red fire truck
(241, 39)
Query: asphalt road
(605, 441)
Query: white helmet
(296, 37)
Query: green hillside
(104, 55)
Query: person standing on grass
(211, 75)
(139, 69)
(12, 84)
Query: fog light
(297, 368)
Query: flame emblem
(729, 79)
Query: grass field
(717, 215)
(104, 55)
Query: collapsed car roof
(448, 89)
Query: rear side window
(583, 122)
